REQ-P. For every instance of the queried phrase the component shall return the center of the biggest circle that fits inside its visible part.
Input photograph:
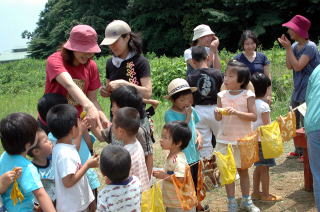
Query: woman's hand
(214, 44)
(93, 116)
(105, 91)
(284, 41)
(117, 84)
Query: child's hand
(8, 178)
(188, 111)
(231, 111)
(84, 125)
(93, 162)
(159, 174)
(199, 141)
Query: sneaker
(232, 205)
(292, 155)
(247, 205)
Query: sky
(15, 17)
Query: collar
(125, 182)
(117, 61)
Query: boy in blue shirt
(18, 135)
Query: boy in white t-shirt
(122, 192)
(125, 126)
(261, 173)
(73, 192)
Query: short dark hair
(128, 96)
(61, 119)
(260, 82)
(243, 72)
(199, 53)
(245, 35)
(179, 132)
(17, 130)
(45, 103)
(128, 119)
(175, 96)
(115, 163)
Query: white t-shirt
(262, 107)
(138, 164)
(121, 197)
(66, 160)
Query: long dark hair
(135, 42)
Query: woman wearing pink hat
(302, 57)
(72, 73)
(204, 36)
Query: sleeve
(265, 60)
(250, 94)
(180, 168)
(67, 165)
(30, 179)
(187, 54)
(237, 57)
(144, 68)
(221, 93)
(195, 116)
(94, 77)
(55, 66)
(265, 108)
(310, 50)
(108, 68)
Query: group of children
(62, 177)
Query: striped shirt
(138, 164)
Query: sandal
(300, 159)
(292, 155)
(256, 196)
(271, 198)
(204, 209)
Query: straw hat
(178, 85)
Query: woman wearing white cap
(127, 66)
(72, 73)
(204, 36)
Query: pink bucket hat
(83, 38)
(299, 25)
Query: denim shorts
(264, 162)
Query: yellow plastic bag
(226, 166)
(185, 191)
(271, 140)
(249, 150)
(287, 126)
(151, 200)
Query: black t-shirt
(131, 70)
(208, 81)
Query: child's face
(231, 80)
(114, 108)
(183, 102)
(166, 140)
(44, 144)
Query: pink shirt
(232, 127)
(85, 76)
(138, 164)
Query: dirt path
(286, 180)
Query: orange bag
(185, 191)
(201, 191)
(249, 149)
(287, 126)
